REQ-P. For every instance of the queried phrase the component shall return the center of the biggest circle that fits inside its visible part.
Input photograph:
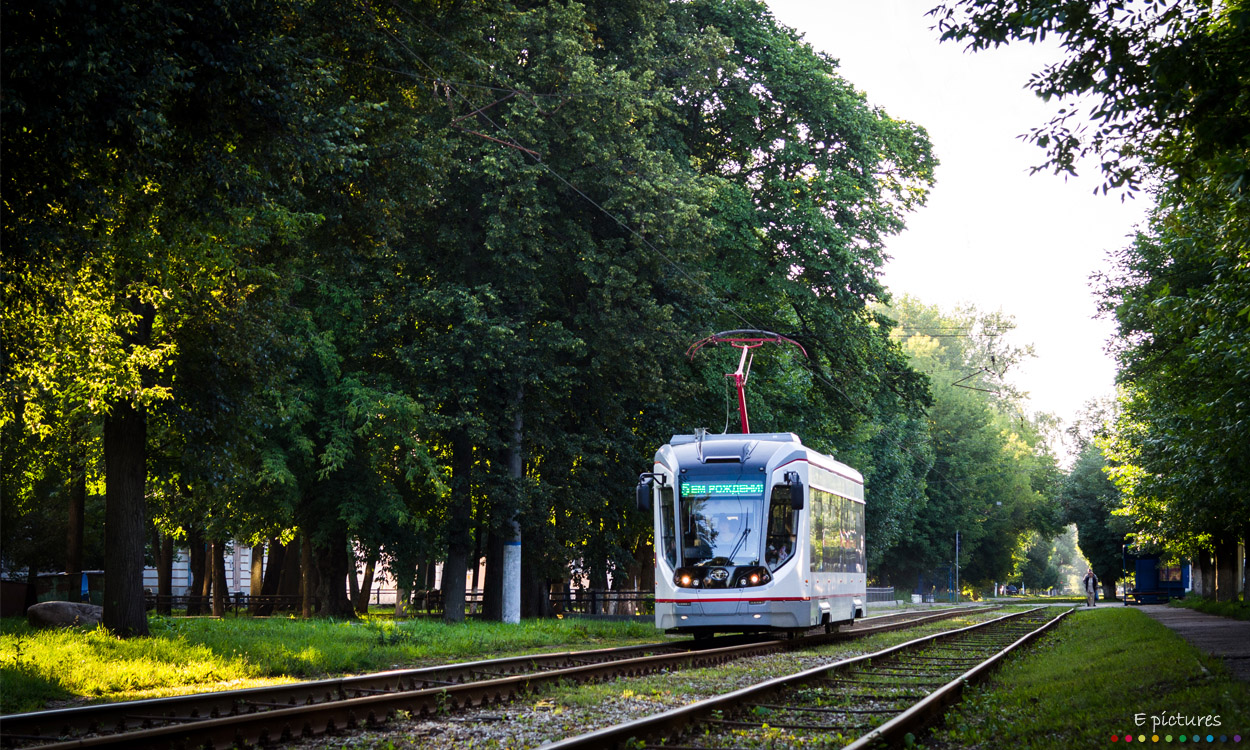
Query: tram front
(725, 533)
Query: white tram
(754, 532)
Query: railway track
(874, 700)
(282, 712)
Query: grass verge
(41, 668)
(1238, 610)
(1094, 678)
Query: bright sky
(991, 234)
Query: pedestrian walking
(1091, 587)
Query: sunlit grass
(1091, 679)
(196, 654)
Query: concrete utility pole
(512, 545)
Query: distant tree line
(1156, 93)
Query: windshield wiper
(741, 539)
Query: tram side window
(668, 530)
(782, 521)
(861, 565)
(847, 547)
(829, 554)
(817, 539)
(837, 535)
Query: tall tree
(1089, 500)
(1179, 296)
(135, 196)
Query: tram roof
(755, 449)
(772, 437)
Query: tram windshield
(721, 521)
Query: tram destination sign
(721, 489)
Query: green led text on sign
(720, 489)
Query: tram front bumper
(733, 615)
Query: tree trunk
(353, 580)
(165, 575)
(290, 580)
(195, 545)
(1205, 583)
(125, 520)
(332, 564)
(270, 586)
(32, 586)
(644, 557)
(257, 581)
(599, 582)
(492, 592)
(1226, 573)
(366, 585)
(1208, 573)
(306, 575)
(459, 528)
(221, 589)
(206, 578)
(405, 586)
(535, 601)
(402, 595)
(1108, 589)
(431, 574)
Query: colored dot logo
(1183, 738)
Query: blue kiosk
(1153, 582)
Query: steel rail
(114, 716)
(676, 722)
(267, 714)
(927, 710)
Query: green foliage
(1180, 298)
(807, 181)
(352, 265)
(993, 477)
(1040, 571)
(1090, 500)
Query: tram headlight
(753, 576)
(686, 578)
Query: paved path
(1223, 637)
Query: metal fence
(885, 594)
(603, 602)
